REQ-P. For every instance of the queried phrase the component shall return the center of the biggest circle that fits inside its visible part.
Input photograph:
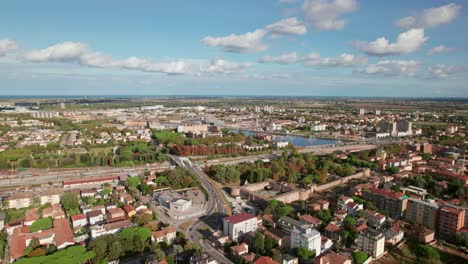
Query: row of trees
(291, 167)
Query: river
(298, 141)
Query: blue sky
(275, 47)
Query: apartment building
(393, 203)
(451, 220)
(372, 242)
(422, 212)
(236, 226)
(307, 237)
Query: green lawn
(41, 224)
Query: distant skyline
(358, 48)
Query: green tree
(133, 182)
(69, 201)
(304, 254)
(258, 244)
(359, 257)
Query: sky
(362, 48)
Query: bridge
(180, 161)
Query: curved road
(214, 208)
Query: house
(109, 228)
(373, 218)
(19, 200)
(167, 234)
(129, 210)
(332, 258)
(421, 234)
(353, 208)
(115, 214)
(333, 231)
(55, 211)
(236, 226)
(274, 237)
(79, 221)
(310, 220)
(89, 192)
(327, 243)
(140, 206)
(288, 259)
(394, 234)
(265, 260)
(51, 196)
(240, 250)
(101, 208)
(95, 217)
(126, 198)
(61, 235)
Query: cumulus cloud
(406, 42)
(287, 58)
(7, 46)
(80, 53)
(344, 59)
(407, 68)
(218, 65)
(326, 14)
(287, 26)
(442, 71)
(314, 59)
(248, 42)
(439, 49)
(431, 17)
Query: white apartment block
(307, 237)
(236, 226)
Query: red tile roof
(238, 218)
(265, 260)
(78, 217)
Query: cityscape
(219, 132)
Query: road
(213, 213)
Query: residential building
(451, 220)
(372, 242)
(393, 203)
(110, 228)
(236, 226)
(50, 196)
(394, 234)
(95, 217)
(265, 260)
(167, 234)
(19, 200)
(288, 259)
(422, 212)
(79, 221)
(307, 237)
(332, 258)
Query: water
(297, 141)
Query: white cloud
(80, 53)
(442, 71)
(439, 49)
(314, 59)
(326, 14)
(344, 59)
(218, 65)
(407, 68)
(286, 1)
(7, 46)
(248, 42)
(287, 58)
(406, 42)
(431, 17)
(287, 26)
